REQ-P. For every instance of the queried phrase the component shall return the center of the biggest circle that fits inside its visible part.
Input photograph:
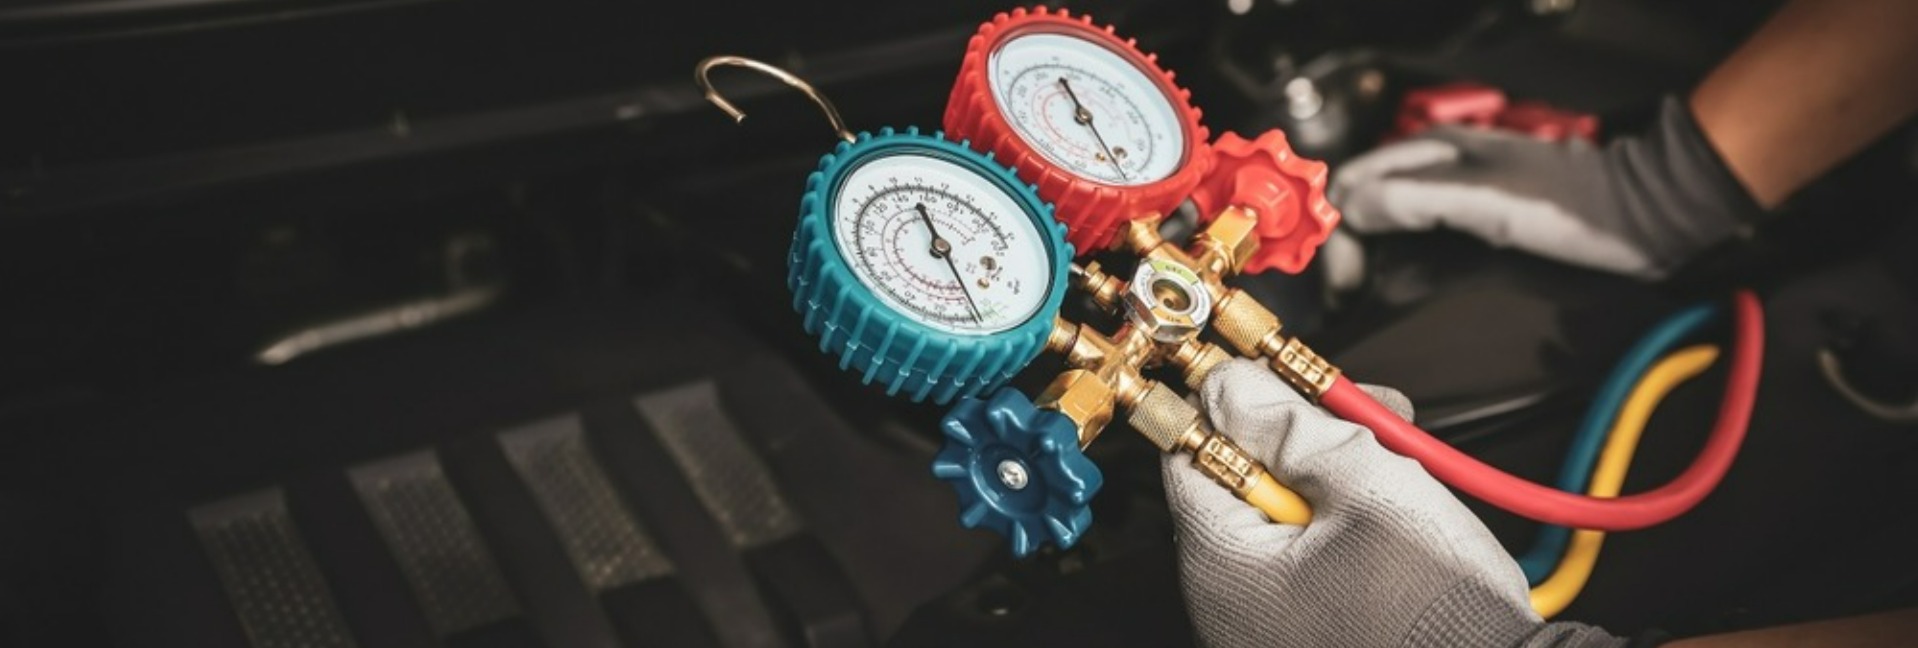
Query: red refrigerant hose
(1553, 506)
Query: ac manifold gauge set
(934, 264)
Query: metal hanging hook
(712, 95)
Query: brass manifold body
(1173, 297)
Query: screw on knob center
(1013, 474)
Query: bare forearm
(1893, 628)
(1819, 81)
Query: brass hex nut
(1236, 231)
(1082, 397)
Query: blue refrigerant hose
(1580, 460)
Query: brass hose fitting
(1169, 299)
(1304, 369)
(1225, 246)
(1106, 290)
(1165, 419)
(1245, 324)
(1254, 332)
(1174, 425)
(1195, 359)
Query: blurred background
(464, 323)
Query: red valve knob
(1286, 192)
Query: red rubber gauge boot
(1082, 114)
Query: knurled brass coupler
(1173, 424)
(1246, 324)
(1254, 332)
(1164, 418)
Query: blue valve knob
(1018, 470)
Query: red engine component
(1468, 104)
(1482, 106)
(1547, 122)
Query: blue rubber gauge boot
(924, 266)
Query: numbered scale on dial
(1085, 108)
(941, 242)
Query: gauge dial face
(1087, 108)
(941, 244)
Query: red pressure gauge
(1082, 114)
(1106, 136)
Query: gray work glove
(1390, 558)
(1639, 206)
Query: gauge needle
(1083, 116)
(943, 250)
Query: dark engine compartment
(402, 304)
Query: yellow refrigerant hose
(1557, 591)
(1278, 503)
(1550, 597)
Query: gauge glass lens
(1087, 108)
(941, 244)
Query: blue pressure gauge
(924, 266)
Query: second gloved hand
(1390, 558)
(1639, 206)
